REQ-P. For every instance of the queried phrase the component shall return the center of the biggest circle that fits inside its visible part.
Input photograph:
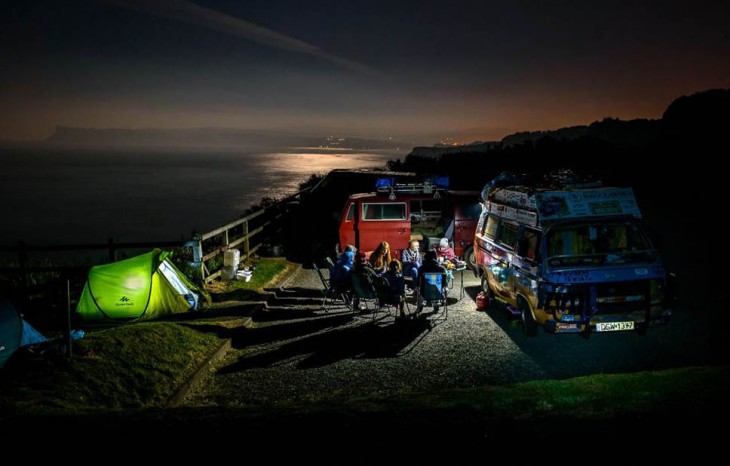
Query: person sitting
(412, 260)
(340, 272)
(363, 267)
(365, 272)
(380, 258)
(396, 286)
(430, 265)
(444, 251)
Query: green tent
(141, 287)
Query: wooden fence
(227, 241)
(248, 234)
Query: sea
(54, 196)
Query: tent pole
(68, 319)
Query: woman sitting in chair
(380, 258)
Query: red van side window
(384, 211)
(350, 213)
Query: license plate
(614, 326)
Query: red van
(398, 213)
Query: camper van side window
(389, 211)
(491, 229)
(350, 213)
(507, 234)
(528, 243)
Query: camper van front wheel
(485, 287)
(529, 325)
(470, 258)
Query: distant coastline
(210, 138)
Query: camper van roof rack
(556, 180)
(430, 185)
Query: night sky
(417, 71)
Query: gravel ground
(296, 351)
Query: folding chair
(330, 292)
(432, 289)
(386, 298)
(363, 292)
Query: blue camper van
(573, 259)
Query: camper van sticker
(553, 206)
(511, 213)
(515, 198)
(605, 208)
(587, 203)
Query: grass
(689, 391)
(659, 407)
(118, 373)
(601, 396)
(267, 271)
(133, 366)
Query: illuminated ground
(298, 352)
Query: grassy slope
(131, 366)
(134, 366)
(683, 390)
(651, 409)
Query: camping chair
(432, 289)
(363, 291)
(386, 299)
(331, 293)
(329, 261)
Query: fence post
(69, 353)
(197, 246)
(244, 225)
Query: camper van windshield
(598, 243)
